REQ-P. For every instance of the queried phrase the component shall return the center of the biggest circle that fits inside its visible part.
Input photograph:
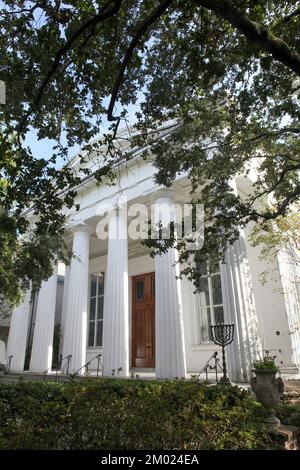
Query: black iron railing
(213, 364)
(87, 364)
(58, 366)
(68, 359)
(8, 363)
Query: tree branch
(291, 15)
(155, 15)
(254, 32)
(101, 16)
(282, 175)
(282, 207)
(24, 10)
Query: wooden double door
(143, 320)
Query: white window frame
(95, 320)
(209, 307)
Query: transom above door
(143, 320)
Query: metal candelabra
(222, 335)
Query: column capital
(166, 193)
(81, 227)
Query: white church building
(115, 300)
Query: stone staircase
(291, 392)
(12, 378)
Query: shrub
(289, 414)
(123, 414)
(265, 364)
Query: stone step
(291, 397)
(13, 377)
(291, 392)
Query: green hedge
(128, 414)
(289, 414)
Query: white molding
(206, 347)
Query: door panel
(143, 321)
(140, 332)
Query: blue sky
(43, 148)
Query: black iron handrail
(56, 366)
(68, 357)
(7, 366)
(86, 366)
(213, 358)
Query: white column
(170, 360)
(64, 308)
(116, 308)
(42, 344)
(239, 308)
(77, 301)
(18, 332)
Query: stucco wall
(270, 305)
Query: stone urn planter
(267, 388)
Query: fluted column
(239, 308)
(42, 344)
(115, 319)
(170, 357)
(77, 301)
(18, 332)
(64, 308)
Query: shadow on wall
(2, 356)
(4, 333)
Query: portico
(135, 310)
(113, 318)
